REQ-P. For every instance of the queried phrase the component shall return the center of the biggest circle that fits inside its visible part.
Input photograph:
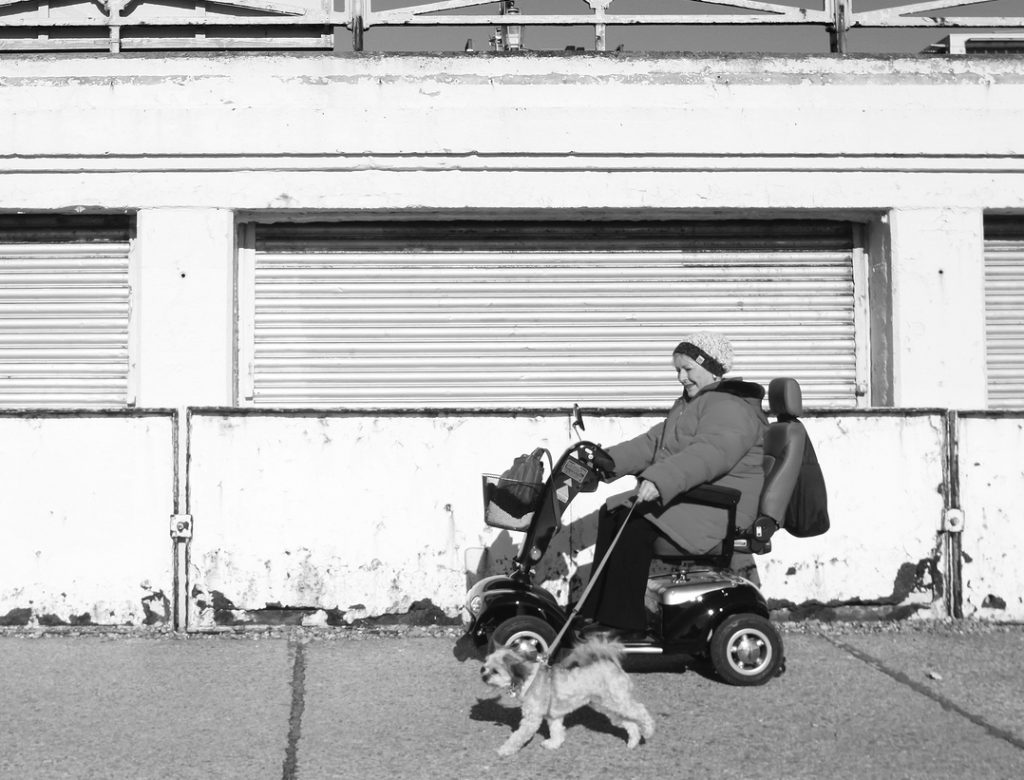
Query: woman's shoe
(593, 628)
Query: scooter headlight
(475, 605)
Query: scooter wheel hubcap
(527, 642)
(749, 651)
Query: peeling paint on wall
(296, 519)
(156, 607)
(278, 548)
(19, 616)
(27, 616)
(215, 609)
(992, 497)
(882, 548)
(81, 532)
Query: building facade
(305, 300)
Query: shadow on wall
(555, 570)
(558, 564)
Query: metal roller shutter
(516, 315)
(63, 312)
(1004, 311)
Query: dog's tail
(594, 650)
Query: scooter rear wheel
(522, 632)
(746, 649)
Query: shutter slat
(542, 327)
(64, 313)
(1004, 313)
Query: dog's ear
(519, 670)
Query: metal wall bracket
(181, 526)
(953, 521)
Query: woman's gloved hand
(604, 463)
(647, 491)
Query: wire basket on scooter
(510, 503)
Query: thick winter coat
(716, 437)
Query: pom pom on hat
(711, 350)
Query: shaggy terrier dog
(591, 674)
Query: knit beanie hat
(710, 350)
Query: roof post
(840, 24)
(356, 15)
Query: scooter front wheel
(746, 649)
(522, 632)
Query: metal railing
(120, 25)
(362, 16)
(124, 25)
(835, 16)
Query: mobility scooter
(700, 609)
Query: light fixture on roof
(513, 32)
(508, 37)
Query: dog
(591, 674)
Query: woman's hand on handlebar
(647, 491)
(603, 462)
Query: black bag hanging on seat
(807, 513)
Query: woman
(714, 433)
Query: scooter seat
(667, 550)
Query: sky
(782, 39)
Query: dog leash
(586, 591)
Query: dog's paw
(633, 734)
(507, 750)
(552, 744)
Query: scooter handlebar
(604, 463)
(596, 458)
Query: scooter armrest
(711, 495)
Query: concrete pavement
(912, 700)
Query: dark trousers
(617, 599)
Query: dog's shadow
(466, 649)
(491, 710)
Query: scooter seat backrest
(785, 399)
(784, 443)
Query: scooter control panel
(575, 470)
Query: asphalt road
(912, 701)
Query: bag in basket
(519, 486)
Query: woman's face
(692, 376)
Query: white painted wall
(84, 508)
(183, 311)
(276, 132)
(992, 496)
(885, 504)
(367, 514)
(938, 291)
(338, 512)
